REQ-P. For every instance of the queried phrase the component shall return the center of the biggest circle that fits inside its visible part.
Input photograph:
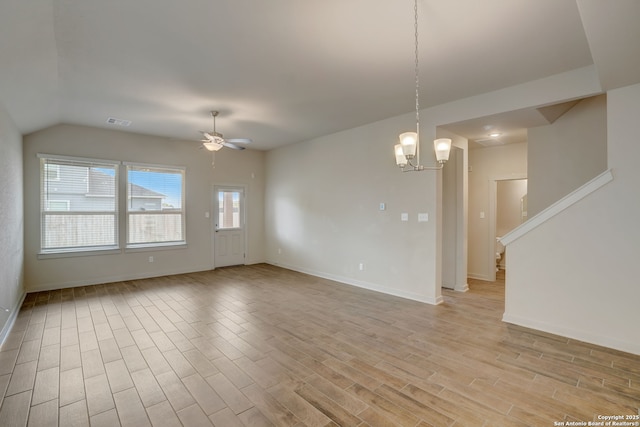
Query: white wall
(567, 153)
(489, 164)
(52, 273)
(323, 216)
(588, 288)
(322, 195)
(11, 218)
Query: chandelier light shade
(401, 159)
(409, 143)
(442, 147)
(409, 146)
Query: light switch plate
(404, 217)
(383, 206)
(423, 217)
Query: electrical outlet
(151, 259)
(361, 266)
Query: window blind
(79, 204)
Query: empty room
(338, 213)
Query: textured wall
(11, 220)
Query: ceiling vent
(118, 122)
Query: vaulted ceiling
(282, 71)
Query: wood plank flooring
(259, 345)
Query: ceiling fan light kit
(214, 141)
(212, 146)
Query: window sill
(71, 253)
(146, 247)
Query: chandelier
(409, 147)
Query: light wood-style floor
(259, 345)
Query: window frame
(47, 161)
(130, 213)
(240, 209)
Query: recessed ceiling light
(495, 134)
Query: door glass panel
(228, 209)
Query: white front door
(228, 218)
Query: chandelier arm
(421, 168)
(418, 167)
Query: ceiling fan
(214, 141)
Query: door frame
(493, 218)
(457, 169)
(213, 218)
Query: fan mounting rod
(214, 114)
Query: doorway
(228, 225)
(507, 202)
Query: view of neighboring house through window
(79, 204)
(155, 205)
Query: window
(79, 205)
(58, 205)
(155, 205)
(228, 209)
(52, 172)
(73, 218)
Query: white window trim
(64, 252)
(182, 211)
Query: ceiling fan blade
(208, 136)
(232, 146)
(239, 140)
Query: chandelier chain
(407, 152)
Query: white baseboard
(116, 278)
(362, 284)
(478, 276)
(462, 288)
(12, 319)
(579, 335)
